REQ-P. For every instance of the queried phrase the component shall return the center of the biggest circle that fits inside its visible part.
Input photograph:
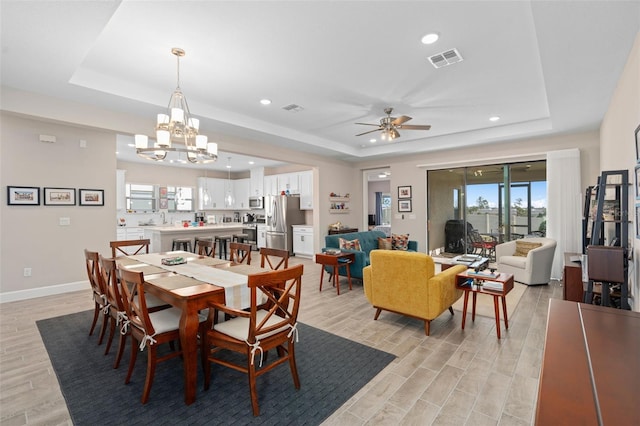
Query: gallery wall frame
(404, 205)
(404, 192)
(59, 196)
(637, 136)
(638, 182)
(638, 221)
(23, 195)
(91, 197)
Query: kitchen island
(162, 236)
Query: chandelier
(177, 131)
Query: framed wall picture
(637, 134)
(404, 205)
(638, 221)
(91, 197)
(23, 195)
(59, 196)
(404, 192)
(638, 182)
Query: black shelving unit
(607, 206)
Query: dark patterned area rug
(331, 369)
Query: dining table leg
(189, 322)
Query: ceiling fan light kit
(177, 126)
(389, 126)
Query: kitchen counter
(162, 236)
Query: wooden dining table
(191, 295)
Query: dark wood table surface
(591, 366)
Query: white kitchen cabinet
(217, 191)
(256, 187)
(271, 185)
(306, 189)
(262, 236)
(121, 193)
(129, 233)
(241, 193)
(303, 241)
(288, 181)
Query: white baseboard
(12, 296)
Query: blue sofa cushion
(368, 241)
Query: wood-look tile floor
(452, 377)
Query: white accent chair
(535, 268)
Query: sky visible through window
(490, 193)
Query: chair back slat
(137, 246)
(240, 253)
(281, 289)
(206, 248)
(135, 304)
(110, 279)
(92, 264)
(274, 258)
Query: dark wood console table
(590, 368)
(573, 288)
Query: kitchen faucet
(162, 216)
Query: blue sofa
(368, 241)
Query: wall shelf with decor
(339, 205)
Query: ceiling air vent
(292, 108)
(445, 58)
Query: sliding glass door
(474, 198)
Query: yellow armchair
(406, 283)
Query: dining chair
(100, 300)
(265, 326)
(135, 247)
(240, 253)
(275, 258)
(118, 316)
(147, 329)
(206, 248)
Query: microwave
(256, 202)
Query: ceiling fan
(389, 125)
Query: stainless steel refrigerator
(281, 212)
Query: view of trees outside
(482, 208)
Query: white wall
(31, 235)
(617, 145)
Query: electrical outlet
(27, 272)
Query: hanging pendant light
(177, 131)
(228, 198)
(205, 193)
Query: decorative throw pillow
(350, 244)
(400, 242)
(384, 243)
(523, 247)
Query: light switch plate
(65, 221)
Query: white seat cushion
(515, 261)
(238, 327)
(168, 320)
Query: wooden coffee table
(336, 261)
(466, 282)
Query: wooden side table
(573, 288)
(336, 261)
(507, 285)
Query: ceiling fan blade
(370, 131)
(369, 124)
(398, 121)
(414, 127)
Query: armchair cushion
(523, 247)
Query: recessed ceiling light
(430, 38)
(252, 162)
(265, 101)
(494, 118)
(132, 145)
(372, 140)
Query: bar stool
(221, 242)
(240, 238)
(195, 242)
(181, 244)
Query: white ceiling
(544, 67)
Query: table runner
(237, 294)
